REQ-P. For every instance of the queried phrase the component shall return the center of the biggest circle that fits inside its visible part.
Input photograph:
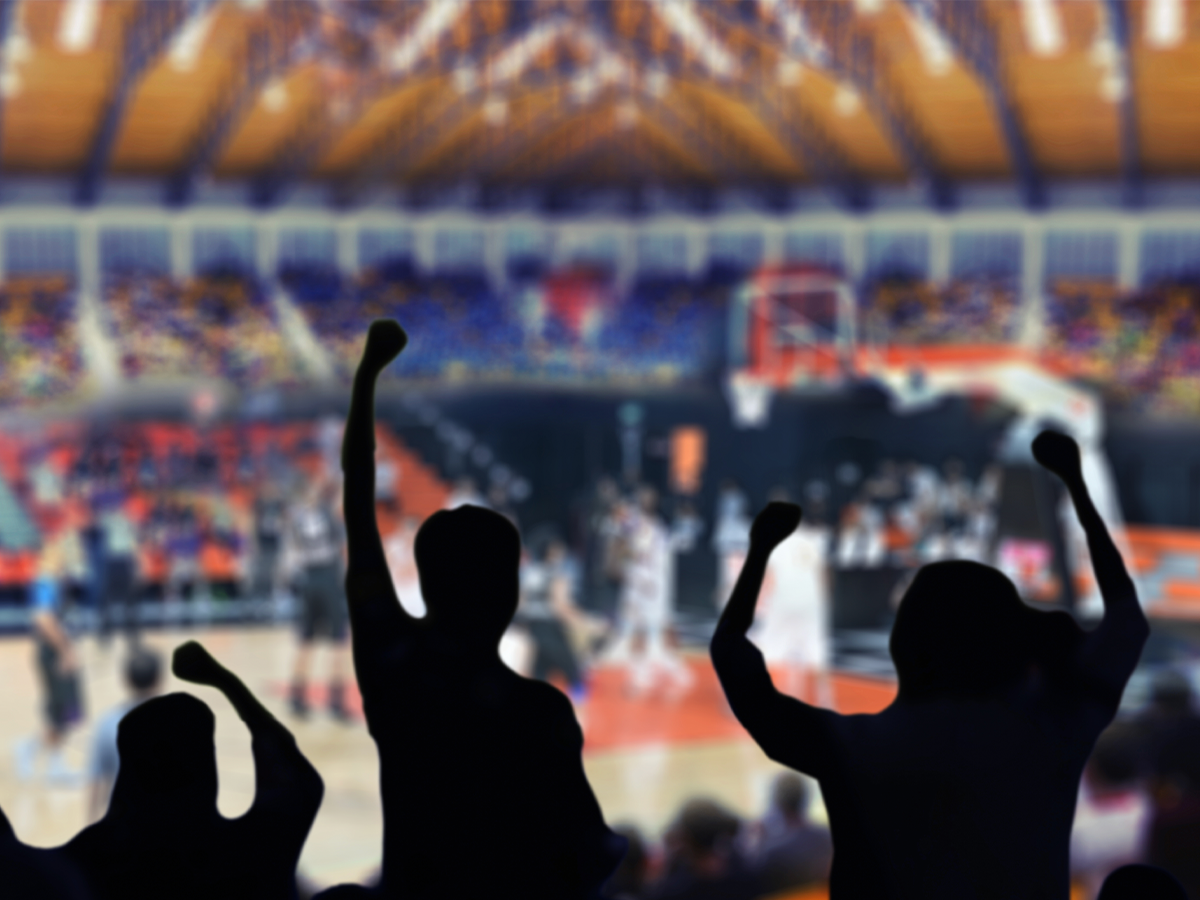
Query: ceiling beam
(271, 51)
(7, 11)
(849, 54)
(793, 129)
(1132, 187)
(974, 38)
(150, 29)
(723, 153)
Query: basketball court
(644, 756)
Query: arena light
(799, 39)
(789, 72)
(1043, 27)
(17, 47)
(657, 82)
(77, 25)
(846, 101)
(437, 18)
(935, 50)
(680, 16)
(1165, 23)
(185, 48)
(520, 54)
(275, 96)
(495, 111)
(10, 82)
(1114, 86)
(868, 7)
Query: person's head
(779, 494)
(1171, 692)
(468, 561)
(962, 629)
(168, 757)
(631, 875)
(1141, 882)
(704, 829)
(647, 499)
(789, 796)
(556, 550)
(952, 469)
(143, 672)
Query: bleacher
(40, 356)
(215, 327)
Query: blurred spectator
(1171, 729)
(1113, 809)
(791, 851)
(630, 880)
(143, 676)
(702, 860)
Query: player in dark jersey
(484, 793)
(966, 785)
(317, 541)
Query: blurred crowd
(219, 326)
(1139, 347)
(968, 311)
(40, 356)
(710, 853)
(568, 327)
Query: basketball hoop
(750, 398)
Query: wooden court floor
(644, 755)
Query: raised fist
(193, 663)
(1058, 453)
(385, 340)
(773, 525)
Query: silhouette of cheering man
(481, 774)
(966, 785)
(163, 835)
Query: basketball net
(750, 398)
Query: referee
(317, 541)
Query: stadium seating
(214, 327)
(1139, 347)
(40, 358)
(969, 311)
(662, 331)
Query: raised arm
(376, 617)
(286, 784)
(1110, 652)
(788, 731)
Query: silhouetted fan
(966, 785)
(29, 873)
(163, 835)
(1141, 883)
(481, 773)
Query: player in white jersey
(647, 600)
(792, 627)
(403, 565)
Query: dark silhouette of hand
(193, 663)
(773, 525)
(1060, 454)
(385, 341)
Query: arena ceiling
(840, 93)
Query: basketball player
(317, 541)
(792, 627)
(403, 565)
(647, 600)
(57, 667)
(481, 772)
